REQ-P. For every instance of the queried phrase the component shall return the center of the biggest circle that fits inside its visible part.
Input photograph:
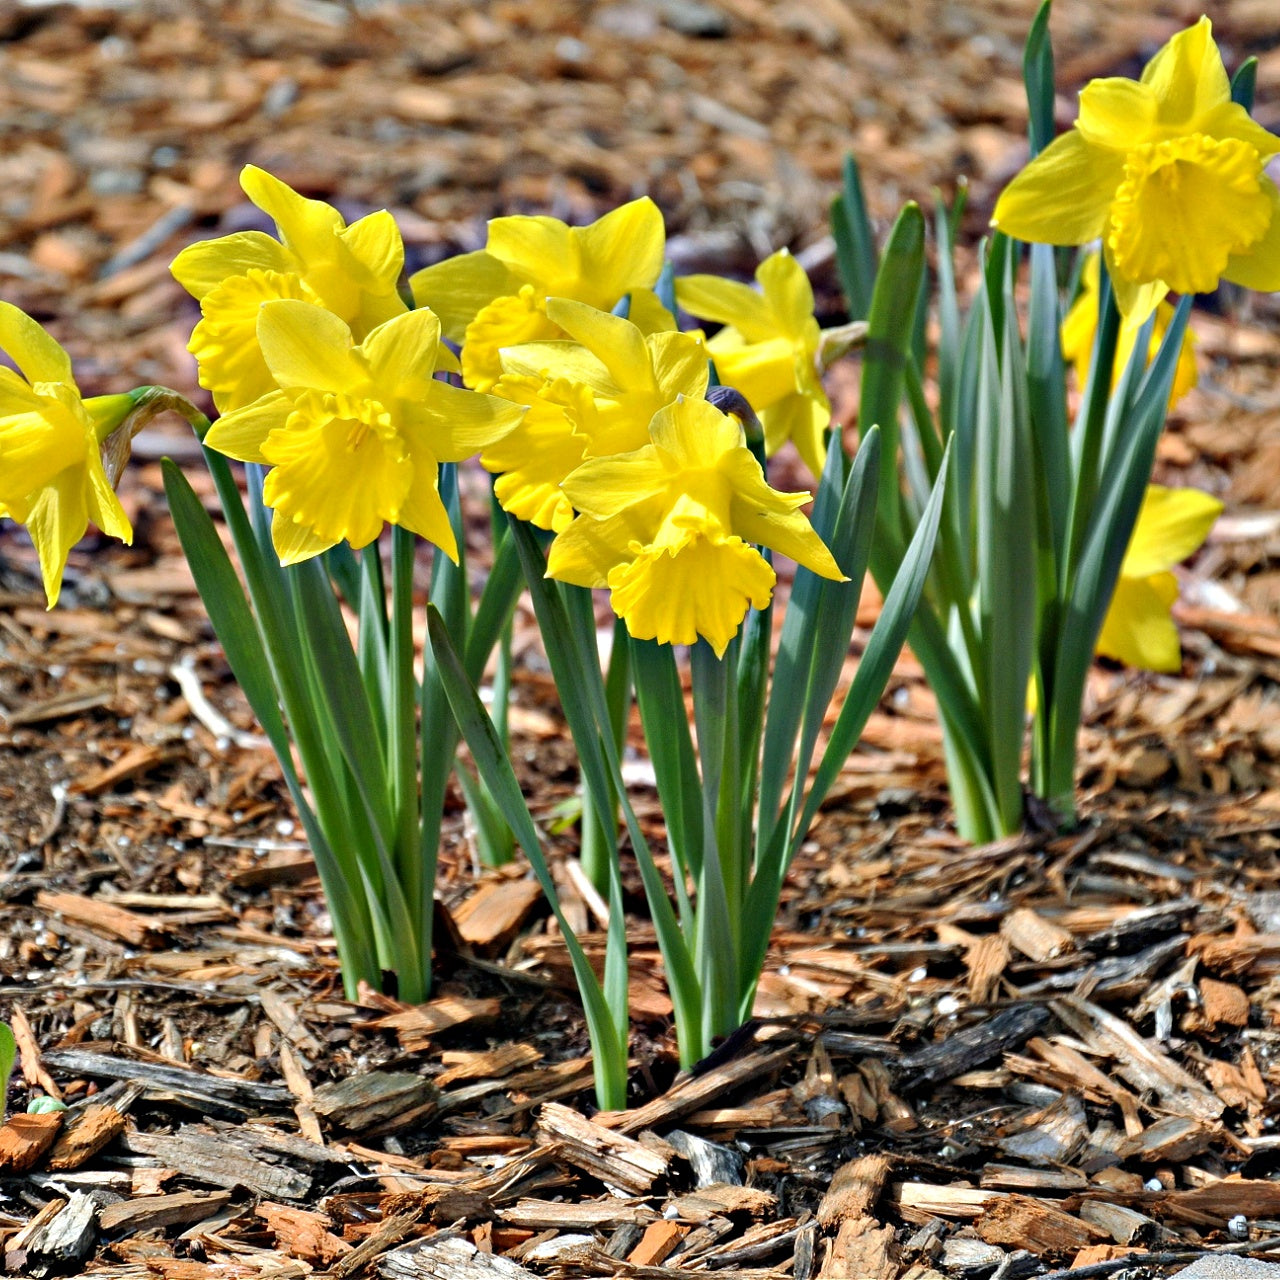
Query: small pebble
(1153, 1184)
(1238, 1227)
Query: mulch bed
(1047, 1054)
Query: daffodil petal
(1138, 629)
(241, 433)
(1188, 77)
(1115, 113)
(568, 360)
(622, 251)
(1172, 524)
(787, 289)
(308, 346)
(456, 424)
(700, 589)
(648, 314)
(308, 227)
(1136, 302)
(680, 365)
(376, 248)
(1259, 267)
(458, 288)
(35, 353)
(603, 487)
(727, 302)
(616, 342)
(103, 505)
(803, 419)
(35, 447)
(694, 434)
(537, 248)
(517, 320)
(423, 511)
(765, 372)
(402, 355)
(294, 542)
(586, 552)
(1063, 196)
(201, 268)
(56, 521)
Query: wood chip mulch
(1055, 1056)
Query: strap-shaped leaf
(855, 242)
(1037, 73)
(8, 1052)
(609, 1050)
(1244, 83)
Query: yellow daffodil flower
(353, 271)
(1138, 629)
(1168, 172)
(496, 297)
(669, 528)
(354, 435)
(589, 397)
(51, 475)
(768, 350)
(1081, 326)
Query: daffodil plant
(1039, 565)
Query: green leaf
(8, 1054)
(1037, 72)
(1244, 84)
(893, 308)
(609, 1049)
(855, 242)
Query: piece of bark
(33, 1071)
(441, 1205)
(1037, 938)
(971, 1047)
(697, 1091)
(719, 1199)
(60, 1240)
(491, 917)
(285, 1016)
(712, 1163)
(862, 1248)
(659, 1241)
(102, 918)
(920, 1201)
(148, 1213)
(1171, 1140)
(1032, 1224)
(390, 1231)
(301, 1233)
(450, 1258)
(895, 1113)
(1124, 1225)
(589, 1215)
(1143, 1066)
(84, 1134)
(25, 1139)
(487, 1064)
(295, 1077)
(185, 1082)
(374, 1098)
(418, 1026)
(222, 1160)
(612, 1157)
(1011, 1177)
(986, 958)
(1051, 1136)
(854, 1190)
(1223, 1003)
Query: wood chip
(84, 1134)
(610, 1156)
(149, 1213)
(25, 1139)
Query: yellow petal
(569, 361)
(56, 521)
(539, 249)
(622, 251)
(518, 320)
(103, 506)
(423, 511)
(459, 288)
(402, 355)
(1138, 629)
(308, 346)
(615, 342)
(1231, 120)
(1063, 195)
(727, 302)
(36, 354)
(604, 487)
(788, 292)
(241, 433)
(201, 268)
(694, 434)
(648, 314)
(1186, 205)
(802, 418)
(1259, 266)
(679, 365)
(1188, 77)
(225, 342)
(1172, 524)
(295, 543)
(332, 484)
(1135, 301)
(376, 250)
(765, 372)
(308, 227)
(1116, 113)
(586, 552)
(699, 589)
(456, 424)
(36, 446)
